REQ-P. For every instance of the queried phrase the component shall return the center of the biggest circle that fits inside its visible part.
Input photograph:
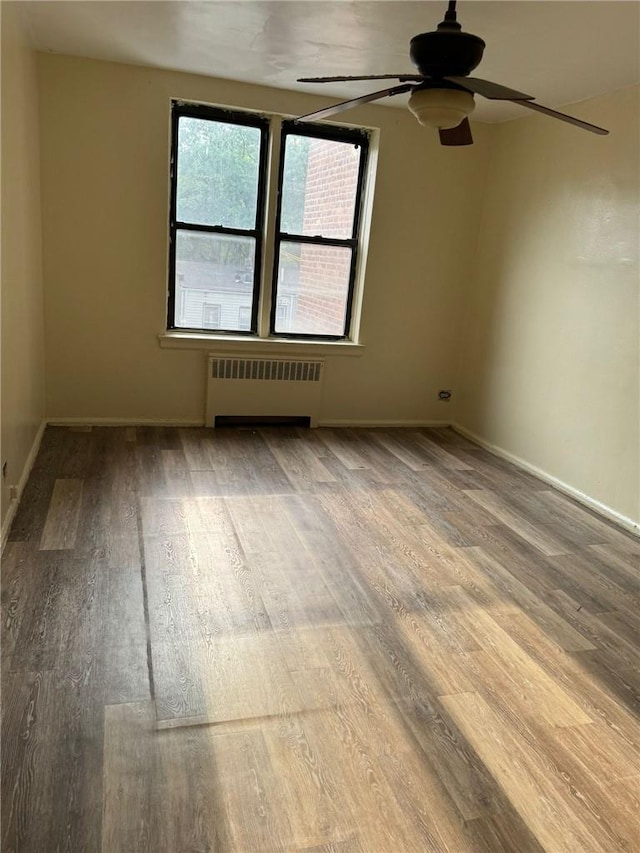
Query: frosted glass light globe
(441, 108)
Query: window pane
(313, 286)
(213, 270)
(319, 187)
(211, 315)
(218, 165)
(244, 318)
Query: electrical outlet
(444, 395)
(13, 493)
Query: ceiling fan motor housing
(446, 53)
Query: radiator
(260, 387)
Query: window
(211, 315)
(283, 313)
(220, 219)
(217, 214)
(244, 317)
(321, 173)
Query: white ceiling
(560, 52)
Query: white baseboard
(22, 482)
(382, 424)
(190, 423)
(602, 509)
(168, 422)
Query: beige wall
(551, 365)
(22, 311)
(542, 287)
(105, 137)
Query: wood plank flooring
(328, 641)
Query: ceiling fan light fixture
(441, 108)
(442, 91)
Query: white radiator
(243, 386)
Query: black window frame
(180, 109)
(358, 137)
(353, 135)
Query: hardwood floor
(331, 641)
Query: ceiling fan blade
(347, 105)
(487, 89)
(460, 135)
(401, 77)
(593, 128)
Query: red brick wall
(332, 177)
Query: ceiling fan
(442, 92)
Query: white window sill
(259, 346)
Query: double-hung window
(218, 184)
(319, 205)
(223, 223)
